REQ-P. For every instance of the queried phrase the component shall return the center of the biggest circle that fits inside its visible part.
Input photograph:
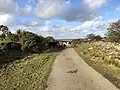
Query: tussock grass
(30, 73)
(102, 60)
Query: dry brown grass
(103, 59)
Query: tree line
(112, 34)
(22, 43)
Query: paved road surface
(70, 72)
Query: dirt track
(70, 72)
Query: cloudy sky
(62, 19)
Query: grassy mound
(30, 73)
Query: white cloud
(79, 13)
(8, 6)
(35, 23)
(50, 8)
(61, 8)
(87, 10)
(27, 10)
(7, 19)
(117, 9)
(47, 9)
(96, 26)
(87, 25)
(95, 3)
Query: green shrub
(31, 42)
(113, 33)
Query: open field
(103, 58)
(30, 73)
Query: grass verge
(30, 73)
(109, 71)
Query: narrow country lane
(70, 72)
